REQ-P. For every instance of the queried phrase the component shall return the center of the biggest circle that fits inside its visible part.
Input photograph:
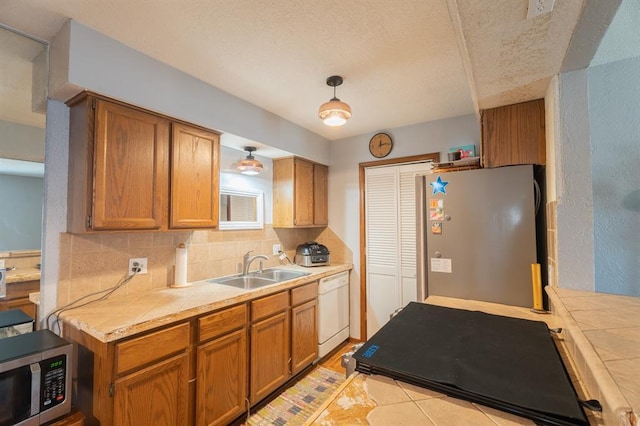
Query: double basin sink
(259, 279)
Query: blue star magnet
(438, 186)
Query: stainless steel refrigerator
(476, 234)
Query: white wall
(573, 184)
(20, 212)
(21, 142)
(84, 58)
(597, 180)
(344, 192)
(55, 203)
(614, 105)
(552, 112)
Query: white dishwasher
(333, 312)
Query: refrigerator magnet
(440, 265)
(436, 227)
(439, 186)
(436, 203)
(436, 214)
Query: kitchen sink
(258, 279)
(279, 275)
(247, 282)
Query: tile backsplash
(94, 262)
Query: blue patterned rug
(299, 402)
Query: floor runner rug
(300, 401)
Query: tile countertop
(378, 400)
(121, 316)
(602, 335)
(23, 274)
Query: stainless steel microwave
(35, 378)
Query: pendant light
(335, 112)
(249, 165)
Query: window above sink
(241, 209)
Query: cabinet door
(514, 134)
(154, 396)
(269, 355)
(130, 168)
(194, 177)
(303, 192)
(320, 194)
(222, 379)
(304, 335)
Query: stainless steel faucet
(247, 259)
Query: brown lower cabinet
(270, 337)
(221, 378)
(205, 370)
(304, 335)
(157, 395)
(304, 326)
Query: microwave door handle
(35, 388)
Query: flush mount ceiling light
(249, 165)
(335, 112)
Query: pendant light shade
(249, 165)
(335, 112)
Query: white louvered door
(391, 240)
(381, 213)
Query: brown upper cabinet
(299, 193)
(130, 169)
(513, 134)
(194, 177)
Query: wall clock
(380, 145)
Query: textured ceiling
(403, 62)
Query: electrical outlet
(276, 248)
(138, 262)
(539, 7)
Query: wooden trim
(82, 95)
(435, 157)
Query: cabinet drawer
(152, 347)
(303, 293)
(222, 322)
(269, 305)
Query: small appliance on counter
(14, 322)
(312, 254)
